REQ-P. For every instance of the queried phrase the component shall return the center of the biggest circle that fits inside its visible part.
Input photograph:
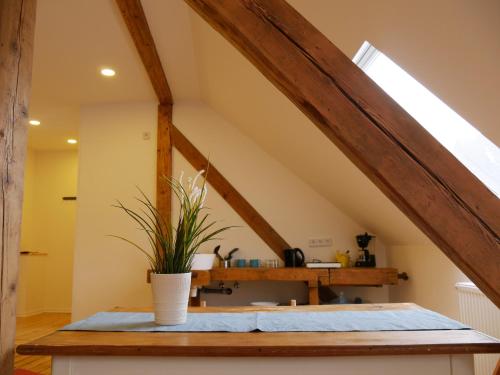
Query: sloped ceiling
(232, 86)
(74, 39)
(413, 36)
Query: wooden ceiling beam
(168, 135)
(137, 24)
(164, 161)
(420, 176)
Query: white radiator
(477, 311)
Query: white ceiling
(75, 38)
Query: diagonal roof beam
(420, 176)
(137, 24)
(168, 135)
(227, 191)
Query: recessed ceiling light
(34, 122)
(107, 72)
(72, 141)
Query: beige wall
(432, 278)
(451, 46)
(27, 224)
(48, 226)
(114, 159)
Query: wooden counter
(409, 352)
(313, 277)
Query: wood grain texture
(31, 328)
(242, 207)
(135, 19)
(17, 23)
(267, 274)
(263, 344)
(363, 276)
(164, 161)
(137, 24)
(413, 170)
(235, 309)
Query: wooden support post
(135, 19)
(137, 24)
(445, 200)
(17, 24)
(164, 161)
(313, 292)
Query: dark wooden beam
(254, 220)
(17, 26)
(422, 178)
(134, 17)
(137, 24)
(164, 161)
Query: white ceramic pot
(170, 297)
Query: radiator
(477, 311)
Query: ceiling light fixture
(34, 122)
(107, 72)
(72, 141)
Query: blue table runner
(331, 321)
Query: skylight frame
(486, 167)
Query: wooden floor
(31, 328)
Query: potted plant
(172, 248)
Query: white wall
(114, 159)
(432, 278)
(48, 226)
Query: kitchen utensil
(216, 252)
(229, 256)
(294, 258)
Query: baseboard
(42, 311)
(30, 313)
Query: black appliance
(294, 258)
(365, 258)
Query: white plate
(264, 303)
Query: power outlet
(320, 242)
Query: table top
(265, 344)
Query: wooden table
(392, 352)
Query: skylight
(474, 150)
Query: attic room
(345, 154)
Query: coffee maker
(365, 258)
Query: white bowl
(203, 262)
(262, 303)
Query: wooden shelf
(363, 276)
(313, 277)
(324, 276)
